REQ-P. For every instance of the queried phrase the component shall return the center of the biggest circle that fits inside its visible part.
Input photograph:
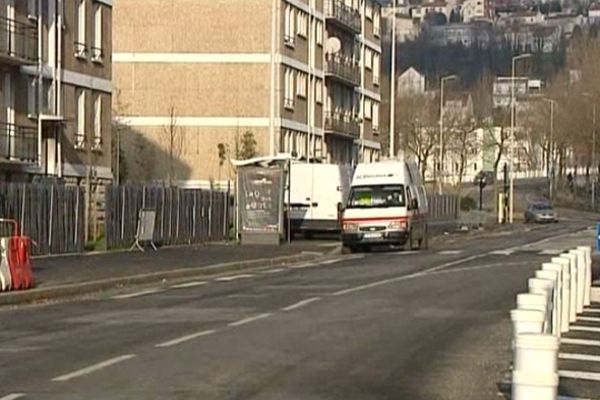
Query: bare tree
(173, 138)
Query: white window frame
(290, 29)
(368, 109)
(301, 81)
(98, 123)
(319, 91)
(289, 89)
(375, 116)
(31, 97)
(376, 23)
(97, 53)
(369, 9)
(80, 119)
(80, 43)
(376, 68)
(368, 58)
(302, 22)
(319, 33)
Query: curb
(78, 289)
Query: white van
(387, 204)
(317, 195)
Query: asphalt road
(388, 325)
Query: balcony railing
(344, 68)
(18, 143)
(18, 41)
(341, 124)
(338, 11)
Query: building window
(290, 29)
(80, 45)
(302, 24)
(289, 88)
(31, 97)
(376, 66)
(368, 109)
(376, 24)
(80, 120)
(369, 9)
(368, 59)
(97, 55)
(319, 91)
(98, 123)
(375, 116)
(319, 32)
(301, 84)
(31, 9)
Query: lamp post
(443, 80)
(393, 86)
(551, 150)
(511, 203)
(594, 166)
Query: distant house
(419, 12)
(471, 34)
(594, 13)
(522, 17)
(477, 9)
(410, 82)
(524, 88)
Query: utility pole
(443, 80)
(511, 200)
(393, 86)
(551, 151)
(594, 166)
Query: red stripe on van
(375, 219)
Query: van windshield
(376, 196)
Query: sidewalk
(70, 275)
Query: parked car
(540, 212)
(488, 175)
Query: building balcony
(18, 42)
(344, 16)
(18, 143)
(341, 125)
(343, 69)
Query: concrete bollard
(554, 276)
(544, 287)
(536, 302)
(581, 261)
(526, 321)
(566, 291)
(535, 367)
(573, 286)
(588, 274)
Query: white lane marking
(188, 285)
(93, 368)
(507, 252)
(580, 342)
(137, 294)
(588, 319)
(13, 396)
(273, 271)
(327, 262)
(592, 310)
(375, 284)
(185, 338)
(584, 328)
(304, 265)
(550, 252)
(571, 398)
(450, 252)
(583, 375)
(579, 357)
(301, 304)
(250, 319)
(234, 277)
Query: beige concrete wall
(147, 89)
(196, 154)
(86, 66)
(194, 26)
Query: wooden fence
(51, 215)
(183, 216)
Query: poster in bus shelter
(261, 199)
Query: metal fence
(443, 207)
(52, 215)
(183, 216)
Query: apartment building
(297, 76)
(55, 79)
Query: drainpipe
(274, 20)
(58, 87)
(40, 81)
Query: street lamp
(512, 134)
(551, 149)
(594, 166)
(443, 80)
(393, 86)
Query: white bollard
(535, 367)
(573, 286)
(558, 292)
(544, 287)
(526, 321)
(536, 302)
(581, 261)
(566, 291)
(588, 274)
(555, 312)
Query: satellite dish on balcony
(333, 45)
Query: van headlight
(350, 226)
(397, 225)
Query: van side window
(408, 198)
